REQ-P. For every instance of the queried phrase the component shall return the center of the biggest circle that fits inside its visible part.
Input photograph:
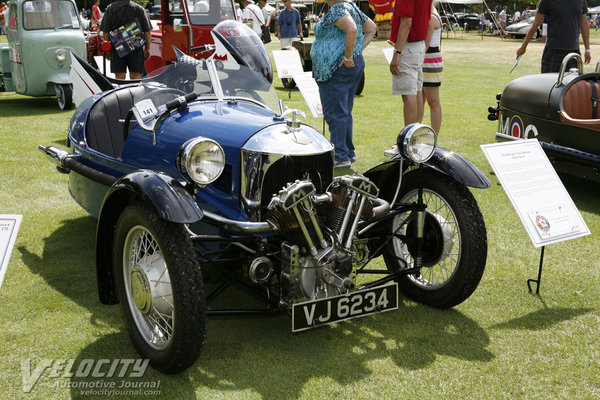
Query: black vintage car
(561, 110)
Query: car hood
(232, 124)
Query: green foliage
(502, 343)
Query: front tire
(160, 288)
(64, 96)
(454, 247)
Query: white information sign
(9, 227)
(287, 63)
(310, 91)
(543, 204)
(388, 52)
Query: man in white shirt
(502, 19)
(516, 16)
(253, 16)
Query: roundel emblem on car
(516, 127)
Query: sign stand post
(539, 277)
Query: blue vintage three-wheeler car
(200, 179)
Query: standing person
(289, 24)
(96, 14)
(238, 12)
(502, 18)
(566, 19)
(121, 13)
(433, 65)
(252, 16)
(516, 16)
(481, 17)
(410, 22)
(2, 18)
(336, 53)
(267, 18)
(526, 13)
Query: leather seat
(578, 106)
(104, 128)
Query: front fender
(442, 160)
(458, 167)
(171, 201)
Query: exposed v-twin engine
(321, 252)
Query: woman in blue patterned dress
(338, 64)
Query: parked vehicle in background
(561, 111)
(520, 29)
(185, 24)
(36, 60)
(468, 22)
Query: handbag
(266, 34)
(128, 38)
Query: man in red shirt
(409, 30)
(96, 14)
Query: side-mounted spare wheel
(160, 288)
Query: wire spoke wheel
(442, 246)
(161, 289)
(454, 244)
(148, 287)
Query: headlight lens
(202, 160)
(417, 142)
(60, 54)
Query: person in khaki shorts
(410, 22)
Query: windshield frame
(159, 82)
(54, 12)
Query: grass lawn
(502, 343)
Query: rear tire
(160, 288)
(455, 245)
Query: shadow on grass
(68, 264)
(25, 106)
(261, 355)
(542, 319)
(580, 191)
(277, 364)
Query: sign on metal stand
(541, 201)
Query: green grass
(502, 343)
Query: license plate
(314, 313)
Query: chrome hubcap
(140, 288)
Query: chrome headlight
(60, 54)
(417, 142)
(202, 160)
